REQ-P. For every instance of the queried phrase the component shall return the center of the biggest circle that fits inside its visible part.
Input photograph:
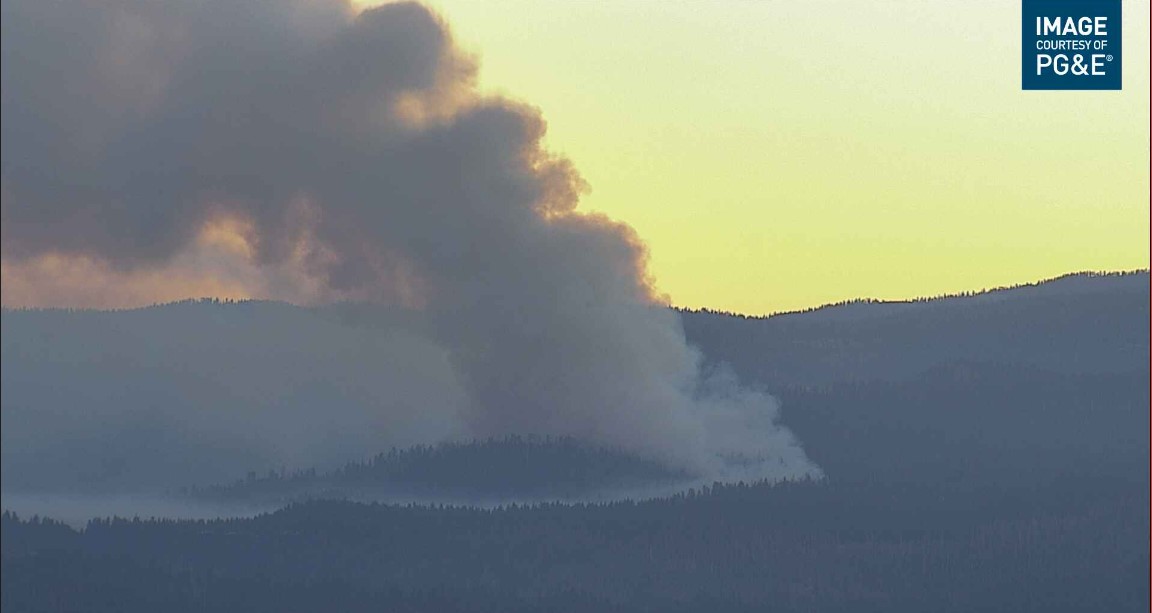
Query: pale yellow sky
(780, 154)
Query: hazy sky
(777, 155)
(772, 155)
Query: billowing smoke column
(348, 156)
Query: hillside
(1076, 324)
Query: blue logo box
(1071, 44)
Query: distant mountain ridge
(1083, 323)
(1066, 284)
(1088, 281)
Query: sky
(770, 155)
(780, 155)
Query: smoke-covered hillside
(1002, 469)
(203, 393)
(488, 472)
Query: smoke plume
(306, 151)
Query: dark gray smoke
(352, 152)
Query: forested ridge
(1070, 546)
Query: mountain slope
(1078, 324)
